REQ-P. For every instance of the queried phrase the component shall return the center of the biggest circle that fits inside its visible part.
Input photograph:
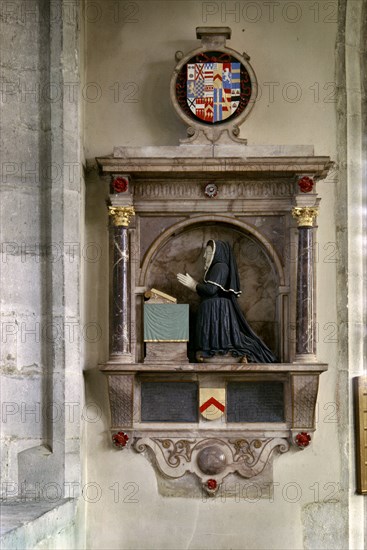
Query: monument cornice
(317, 166)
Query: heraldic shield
(212, 402)
(213, 90)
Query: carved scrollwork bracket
(211, 459)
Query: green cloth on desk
(166, 322)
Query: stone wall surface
(23, 146)
(350, 229)
(41, 199)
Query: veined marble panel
(151, 227)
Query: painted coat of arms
(212, 402)
(213, 90)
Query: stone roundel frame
(234, 122)
(180, 227)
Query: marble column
(305, 309)
(120, 217)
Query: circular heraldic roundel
(214, 87)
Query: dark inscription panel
(169, 402)
(255, 402)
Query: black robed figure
(221, 327)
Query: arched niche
(180, 249)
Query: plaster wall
(130, 58)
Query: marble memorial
(213, 417)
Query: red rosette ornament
(120, 184)
(120, 439)
(306, 184)
(211, 484)
(303, 439)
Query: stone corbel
(121, 395)
(304, 390)
(211, 459)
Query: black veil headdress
(222, 253)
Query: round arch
(193, 222)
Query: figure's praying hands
(187, 280)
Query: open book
(158, 297)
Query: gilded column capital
(305, 215)
(121, 215)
